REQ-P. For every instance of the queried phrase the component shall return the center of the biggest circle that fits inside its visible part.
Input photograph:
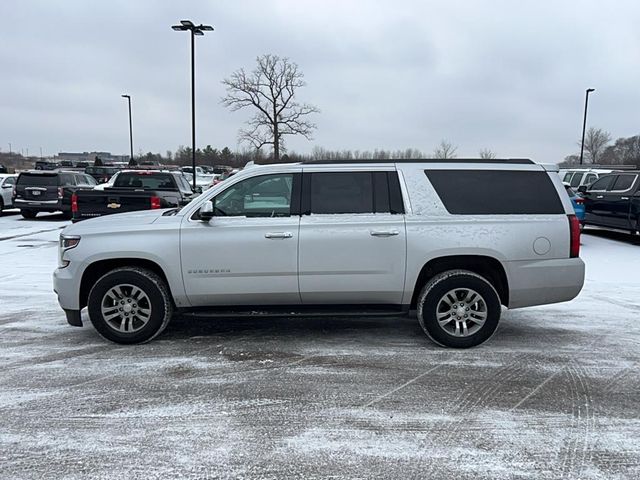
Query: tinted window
(147, 181)
(567, 177)
(67, 179)
(341, 192)
(591, 177)
(263, 196)
(624, 182)
(575, 180)
(603, 183)
(485, 192)
(38, 180)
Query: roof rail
(519, 161)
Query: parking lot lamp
(128, 97)
(584, 122)
(195, 30)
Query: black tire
(28, 213)
(158, 303)
(1, 205)
(434, 300)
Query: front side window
(567, 177)
(603, 183)
(591, 177)
(262, 196)
(623, 183)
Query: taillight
(574, 232)
(60, 193)
(15, 193)
(155, 202)
(579, 200)
(74, 203)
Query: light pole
(195, 30)
(128, 97)
(584, 122)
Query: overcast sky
(504, 75)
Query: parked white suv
(451, 240)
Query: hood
(118, 222)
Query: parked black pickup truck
(131, 190)
(613, 201)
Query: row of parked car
(79, 196)
(608, 199)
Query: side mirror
(582, 189)
(206, 211)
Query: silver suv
(450, 241)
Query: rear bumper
(43, 206)
(541, 282)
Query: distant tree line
(598, 149)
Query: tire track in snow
(21, 235)
(474, 399)
(579, 448)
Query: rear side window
(352, 192)
(567, 177)
(38, 180)
(623, 183)
(497, 192)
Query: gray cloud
(389, 74)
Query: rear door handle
(384, 233)
(599, 196)
(278, 235)
(624, 198)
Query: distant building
(89, 157)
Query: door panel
(352, 258)
(241, 261)
(248, 253)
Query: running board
(299, 311)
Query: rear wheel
(459, 309)
(1, 205)
(28, 213)
(130, 305)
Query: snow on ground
(554, 394)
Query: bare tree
(486, 154)
(445, 150)
(595, 143)
(270, 89)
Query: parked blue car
(577, 201)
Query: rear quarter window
(496, 192)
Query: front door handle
(384, 233)
(624, 198)
(278, 235)
(599, 196)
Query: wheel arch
(485, 266)
(98, 268)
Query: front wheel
(459, 309)
(130, 305)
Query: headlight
(67, 242)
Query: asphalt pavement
(554, 394)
